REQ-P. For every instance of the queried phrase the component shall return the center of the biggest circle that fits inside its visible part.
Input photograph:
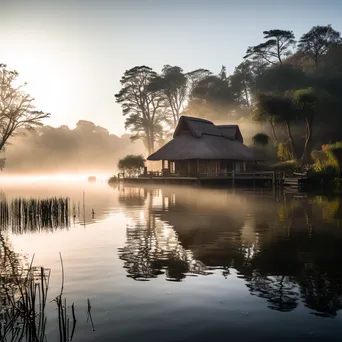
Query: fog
(75, 154)
(86, 150)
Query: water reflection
(152, 247)
(287, 250)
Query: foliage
(242, 83)
(17, 109)
(273, 108)
(212, 98)
(307, 102)
(144, 106)
(113, 180)
(132, 165)
(277, 46)
(173, 83)
(281, 78)
(315, 43)
(285, 151)
(326, 158)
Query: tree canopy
(316, 43)
(276, 48)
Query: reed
(24, 295)
(30, 215)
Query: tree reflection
(287, 251)
(131, 197)
(321, 292)
(152, 248)
(280, 292)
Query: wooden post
(197, 171)
(189, 168)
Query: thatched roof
(231, 132)
(200, 139)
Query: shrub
(132, 165)
(328, 157)
(113, 180)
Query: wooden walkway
(295, 182)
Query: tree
(276, 109)
(264, 111)
(194, 77)
(144, 107)
(281, 78)
(242, 83)
(275, 49)
(212, 98)
(132, 164)
(307, 102)
(315, 43)
(174, 85)
(17, 110)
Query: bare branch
(16, 107)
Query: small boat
(91, 179)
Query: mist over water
(86, 149)
(185, 264)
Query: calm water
(183, 264)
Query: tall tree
(307, 102)
(277, 46)
(212, 98)
(174, 84)
(195, 76)
(17, 110)
(144, 107)
(315, 43)
(242, 83)
(276, 109)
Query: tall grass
(29, 215)
(24, 293)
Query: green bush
(113, 180)
(132, 165)
(326, 157)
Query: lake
(186, 264)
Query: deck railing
(246, 175)
(231, 174)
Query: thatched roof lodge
(200, 147)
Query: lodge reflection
(287, 251)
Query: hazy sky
(73, 53)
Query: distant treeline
(295, 87)
(86, 148)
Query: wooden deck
(266, 176)
(295, 181)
